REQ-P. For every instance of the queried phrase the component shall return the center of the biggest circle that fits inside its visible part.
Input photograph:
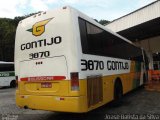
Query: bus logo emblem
(39, 27)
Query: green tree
(7, 36)
(104, 22)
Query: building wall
(145, 14)
(151, 45)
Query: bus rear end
(43, 55)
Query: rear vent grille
(94, 90)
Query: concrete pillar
(150, 57)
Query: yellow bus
(67, 62)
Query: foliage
(102, 22)
(7, 36)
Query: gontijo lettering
(117, 65)
(41, 43)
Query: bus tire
(118, 92)
(144, 78)
(13, 84)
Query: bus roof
(87, 18)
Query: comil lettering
(41, 43)
(117, 65)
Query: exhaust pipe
(25, 107)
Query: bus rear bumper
(52, 103)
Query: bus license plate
(46, 85)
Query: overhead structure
(143, 28)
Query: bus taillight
(74, 81)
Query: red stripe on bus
(24, 79)
(43, 78)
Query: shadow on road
(99, 113)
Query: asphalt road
(141, 102)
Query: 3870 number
(39, 55)
(92, 65)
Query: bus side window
(83, 35)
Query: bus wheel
(118, 92)
(144, 78)
(13, 84)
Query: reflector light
(61, 98)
